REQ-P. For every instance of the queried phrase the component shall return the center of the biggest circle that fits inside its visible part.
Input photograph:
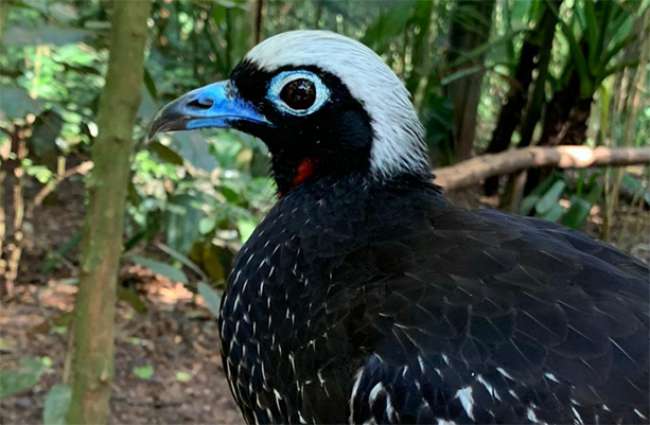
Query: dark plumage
(417, 302)
(364, 296)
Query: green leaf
(231, 195)
(42, 143)
(26, 376)
(143, 372)
(56, 404)
(592, 31)
(491, 46)
(616, 48)
(6, 346)
(36, 5)
(63, 12)
(550, 198)
(183, 376)
(388, 25)
(595, 191)
(622, 24)
(577, 214)
(635, 187)
(43, 34)
(207, 224)
(245, 227)
(528, 203)
(576, 53)
(15, 103)
(214, 260)
(554, 213)
(545, 185)
(150, 83)
(218, 14)
(180, 220)
(132, 298)
(461, 73)
(520, 9)
(47, 362)
(176, 255)
(148, 107)
(40, 172)
(194, 149)
(165, 153)
(211, 297)
(160, 268)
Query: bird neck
(291, 172)
(291, 263)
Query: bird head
(324, 104)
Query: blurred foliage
(545, 200)
(56, 404)
(197, 196)
(144, 372)
(28, 373)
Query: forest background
(503, 87)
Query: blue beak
(215, 105)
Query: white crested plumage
(398, 134)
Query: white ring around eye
(283, 78)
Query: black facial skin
(336, 138)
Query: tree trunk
(470, 27)
(516, 181)
(538, 42)
(92, 355)
(566, 116)
(257, 21)
(565, 122)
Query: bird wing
(484, 317)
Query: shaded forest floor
(175, 340)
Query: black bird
(364, 296)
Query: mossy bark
(92, 354)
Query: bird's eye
(297, 92)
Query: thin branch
(82, 169)
(475, 170)
(257, 27)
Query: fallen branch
(474, 170)
(46, 190)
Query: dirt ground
(176, 338)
